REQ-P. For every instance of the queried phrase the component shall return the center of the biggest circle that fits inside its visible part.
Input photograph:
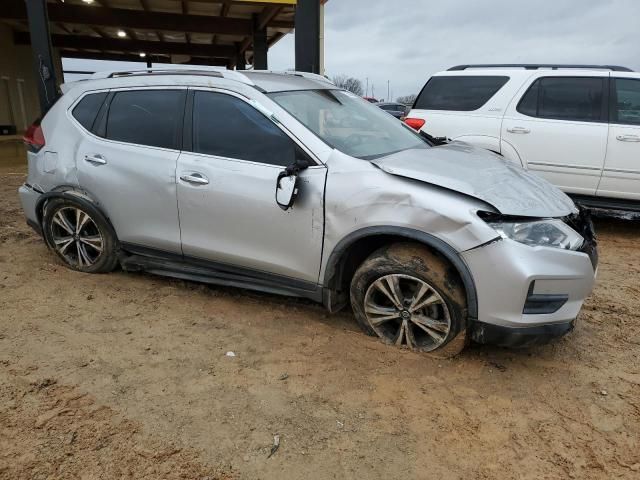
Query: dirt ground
(126, 376)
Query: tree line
(354, 85)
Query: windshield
(349, 123)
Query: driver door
(227, 187)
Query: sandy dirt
(126, 376)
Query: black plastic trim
(538, 304)
(337, 256)
(139, 258)
(606, 203)
(187, 124)
(99, 127)
(516, 337)
(541, 304)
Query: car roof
(263, 80)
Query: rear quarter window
(459, 93)
(86, 110)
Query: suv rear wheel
(80, 236)
(412, 298)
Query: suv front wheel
(412, 298)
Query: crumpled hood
(481, 174)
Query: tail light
(34, 137)
(415, 123)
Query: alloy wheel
(76, 237)
(406, 311)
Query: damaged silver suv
(284, 183)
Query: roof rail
(536, 66)
(228, 74)
(311, 76)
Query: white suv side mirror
(287, 189)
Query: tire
(428, 312)
(92, 248)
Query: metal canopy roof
(204, 32)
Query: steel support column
(307, 25)
(41, 53)
(260, 46)
(241, 59)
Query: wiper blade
(434, 141)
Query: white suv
(577, 126)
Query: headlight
(543, 233)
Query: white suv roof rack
(228, 74)
(536, 66)
(311, 76)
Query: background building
(36, 34)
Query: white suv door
(559, 129)
(621, 175)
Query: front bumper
(509, 274)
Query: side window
(564, 98)
(459, 93)
(146, 117)
(626, 109)
(86, 111)
(226, 126)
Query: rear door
(128, 164)
(226, 192)
(621, 175)
(559, 129)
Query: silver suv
(284, 183)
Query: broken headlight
(540, 233)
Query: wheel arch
(71, 193)
(353, 249)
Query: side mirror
(287, 188)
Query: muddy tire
(410, 297)
(80, 235)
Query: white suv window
(627, 101)
(565, 98)
(459, 93)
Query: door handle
(520, 130)
(195, 178)
(628, 138)
(95, 159)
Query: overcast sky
(405, 41)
